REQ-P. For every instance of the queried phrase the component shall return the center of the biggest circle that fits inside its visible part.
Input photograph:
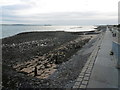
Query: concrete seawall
(116, 45)
(116, 51)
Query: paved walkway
(104, 73)
(99, 71)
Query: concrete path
(84, 76)
(100, 70)
(104, 73)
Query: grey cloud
(119, 12)
(64, 18)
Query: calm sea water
(13, 30)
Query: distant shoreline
(11, 30)
(79, 32)
(26, 24)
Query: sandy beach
(50, 52)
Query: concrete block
(86, 78)
(82, 86)
(79, 79)
(84, 82)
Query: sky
(59, 12)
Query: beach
(59, 44)
(51, 52)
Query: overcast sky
(59, 12)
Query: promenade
(100, 70)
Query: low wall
(116, 51)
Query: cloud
(59, 11)
(9, 2)
(64, 18)
(119, 12)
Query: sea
(10, 30)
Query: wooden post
(35, 71)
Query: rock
(48, 66)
